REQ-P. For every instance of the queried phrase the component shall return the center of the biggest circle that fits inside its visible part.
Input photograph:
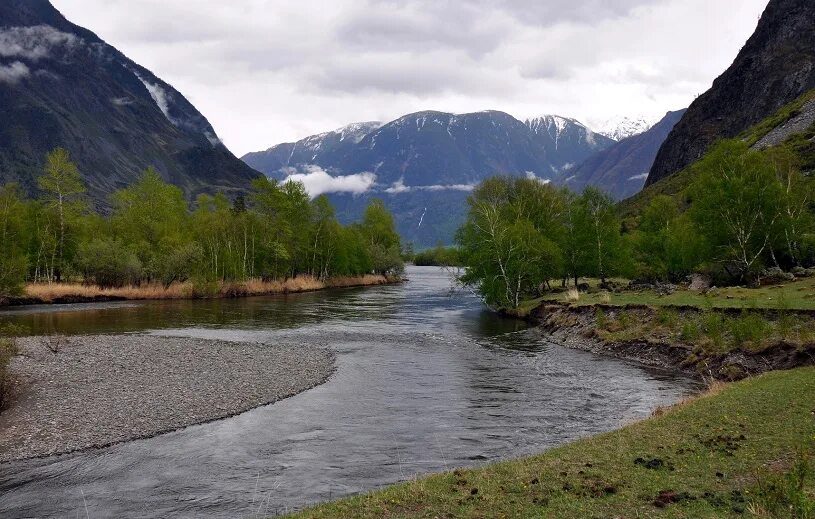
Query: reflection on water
(426, 380)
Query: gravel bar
(101, 390)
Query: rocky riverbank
(585, 328)
(85, 392)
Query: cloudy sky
(269, 71)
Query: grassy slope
(714, 452)
(798, 295)
(676, 184)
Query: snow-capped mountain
(619, 128)
(425, 163)
(566, 142)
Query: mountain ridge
(775, 66)
(63, 86)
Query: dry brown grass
(49, 293)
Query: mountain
(426, 163)
(60, 85)
(620, 128)
(434, 148)
(776, 66)
(328, 147)
(566, 142)
(621, 169)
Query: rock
(775, 275)
(699, 282)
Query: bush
(748, 328)
(181, 264)
(107, 263)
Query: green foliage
(786, 495)
(152, 235)
(107, 262)
(736, 197)
(63, 205)
(13, 258)
(379, 231)
(438, 257)
(520, 234)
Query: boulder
(698, 282)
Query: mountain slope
(621, 169)
(60, 85)
(436, 148)
(776, 65)
(426, 163)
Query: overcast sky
(270, 71)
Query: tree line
(152, 234)
(744, 211)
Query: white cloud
(33, 43)
(317, 182)
(13, 73)
(399, 187)
(532, 176)
(160, 96)
(641, 176)
(260, 82)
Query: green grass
(741, 451)
(797, 295)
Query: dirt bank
(577, 327)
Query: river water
(426, 380)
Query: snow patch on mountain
(622, 127)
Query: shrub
(748, 328)
(667, 317)
(690, 332)
(714, 327)
(600, 319)
(107, 263)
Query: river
(426, 380)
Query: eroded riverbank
(650, 342)
(84, 392)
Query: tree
(506, 255)
(598, 221)
(62, 189)
(736, 197)
(151, 216)
(383, 242)
(13, 260)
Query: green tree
(599, 226)
(736, 197)
(383, 241)
(62, 188)
(507, 257)
(13, 258)
(151, 217)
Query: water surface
(426, 380)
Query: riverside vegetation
(153, 245)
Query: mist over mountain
(62, 86)
(424, 164)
